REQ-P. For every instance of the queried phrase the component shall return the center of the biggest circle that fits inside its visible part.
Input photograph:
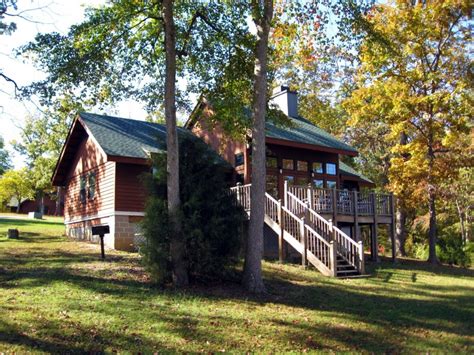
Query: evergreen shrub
(211, 220)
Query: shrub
(211, 221)
(451, 248)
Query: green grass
(56, 296)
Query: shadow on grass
(21, 222)
(388, 310)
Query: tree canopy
(414, 80)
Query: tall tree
(415, 78)
(136, 50)
(179, 267)
(262, 14)
(5, 162)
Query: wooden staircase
(319, 242)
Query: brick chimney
(286, 100)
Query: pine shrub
(211, 221)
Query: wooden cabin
(100, 169)
(304, 157)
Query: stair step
(346, 267)
(347, 272)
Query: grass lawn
(56, 296)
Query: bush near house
(212, 223)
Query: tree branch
(10, 80)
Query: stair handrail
(348, 248)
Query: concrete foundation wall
(122, 231)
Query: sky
(40, 16)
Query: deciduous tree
(15, 184)
(414, 78)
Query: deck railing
(344, 202)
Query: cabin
(307, 162)
(316, 205)
(51, 205)
(100, 169)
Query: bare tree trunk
(252, 278)
(58, 201)
(401, 215)
(400, 230)
(177, 245)
(432, 234)
(461, 222)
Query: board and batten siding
(130, 191)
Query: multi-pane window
(302, 165)
(330, 168)
(318, 168)
(272, 185)
(82, 189)
(91, 186)
(290, 179)
(239, 159)
(288, 164)
(317, 183)
(271, 162)
(330, 184)
(300, 181)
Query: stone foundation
(122, 231)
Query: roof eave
(314, 147)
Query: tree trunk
(432, 234)
(400, 231)
(58, 201)
(18, 204)
(177, 245)
(461, 222)
(252, 278)
(401, 215)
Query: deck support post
(309, 196)
(356, 216)
(281, 255)
(392, 229)
(374, 240)
(334, 206)
(362, 258)
(304, 255)
(333, 258)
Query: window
(319, 184)
(318, 168)
(271, 162)
(300, 181)
(330, 184)
(330, 168)
(82, 189)
(239, 159)
(290, 179)
(240, 178)
(272, 185)
(288, 164)
(91, 186)
(302, 165)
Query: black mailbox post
(101, 230)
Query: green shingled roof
(129, 138)
(348, 170)
(303, 131)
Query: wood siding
(89, 159)
(130, 191)
(215, 137)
